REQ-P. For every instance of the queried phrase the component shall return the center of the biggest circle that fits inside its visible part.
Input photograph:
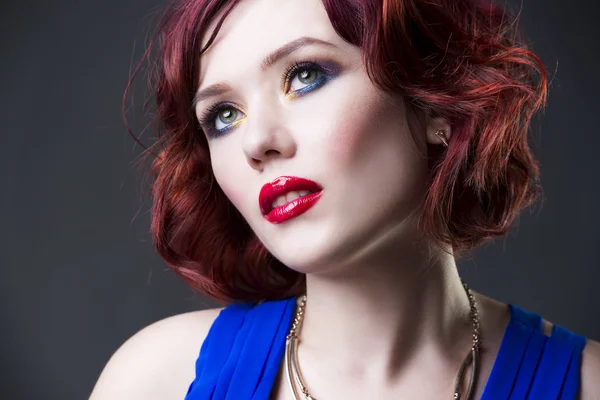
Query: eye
(225, 117)
(220, 118)
(305, 76)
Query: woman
(322, 165)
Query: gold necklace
(295, 376)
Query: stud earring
(442, 137)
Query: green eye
(307, 76)
(227, 115)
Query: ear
(436, 125)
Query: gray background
(78, 274)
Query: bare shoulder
(590, 371)
(158, 362)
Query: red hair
(461, 60)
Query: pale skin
(386, 315)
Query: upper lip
(281, 186)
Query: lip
(281, 186)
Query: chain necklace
(295, 376)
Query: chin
(306, 258)
(316, 250)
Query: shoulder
(590, 371)
(158, 362)
(590, 355)
(590, 366)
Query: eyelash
(207, 118)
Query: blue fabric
(242, 353)
(531, 365)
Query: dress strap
(515, 356)
(533, 340)
(241, 354)
(531, 365)
(558, 374)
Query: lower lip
(293, 208)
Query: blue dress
(242, 353)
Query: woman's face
(327, 123)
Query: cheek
(345, 141)
(371, 147)
(366, 127)
(225, 173)
(348, 133)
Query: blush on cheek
(346, 140)
(361, 123)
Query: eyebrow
(285, 50)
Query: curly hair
(462, 60)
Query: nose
(267, 137)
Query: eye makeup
(322, 71)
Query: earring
(442, 137)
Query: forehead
(254, 28)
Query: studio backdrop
(78, 273)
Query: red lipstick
(280, 187)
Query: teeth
(281, 200)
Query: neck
(379, 316)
